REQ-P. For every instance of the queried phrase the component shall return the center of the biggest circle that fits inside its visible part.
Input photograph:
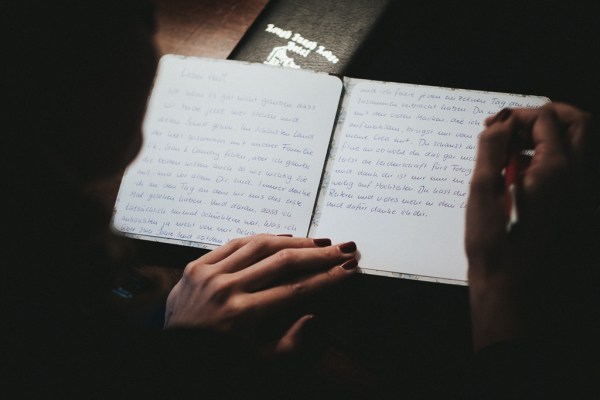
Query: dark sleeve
(75, 361)
(189, 363)
(524, 370)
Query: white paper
(398, 175)
(231, 149)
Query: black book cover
(309, 34)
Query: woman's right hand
(557, 196)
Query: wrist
(495, 311)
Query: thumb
(293, 338)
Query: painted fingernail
(501, 115)
(350, 264)
(286, 235)
(322, 242)
(348, 247)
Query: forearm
(495, 315)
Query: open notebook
(234, 148)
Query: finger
(578, 126)
(485, 217)
(260, 247)
(293, 260)
(292, 340)
(492, 150)
(566, 113)
(550, 153)
(575, 121)
(225, 250)
(280, 297)
(228, 248)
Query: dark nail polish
(348, 247)
(503, 115)
(350, 264)
(286, 235)
(322, 242)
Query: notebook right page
(398, 174)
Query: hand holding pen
(547, 194)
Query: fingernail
(350, 264)
(322, 242)
(348, 247)
(501, 115)
(286, 235)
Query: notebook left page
(230, 149)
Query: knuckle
(331, 252)
(297, 287)
(221, 288)
(232, 314)
(235, 243)
(261, 243)
(199, 274)
(191, 269)
(286, 257)
(329, 255)
(238, 307)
